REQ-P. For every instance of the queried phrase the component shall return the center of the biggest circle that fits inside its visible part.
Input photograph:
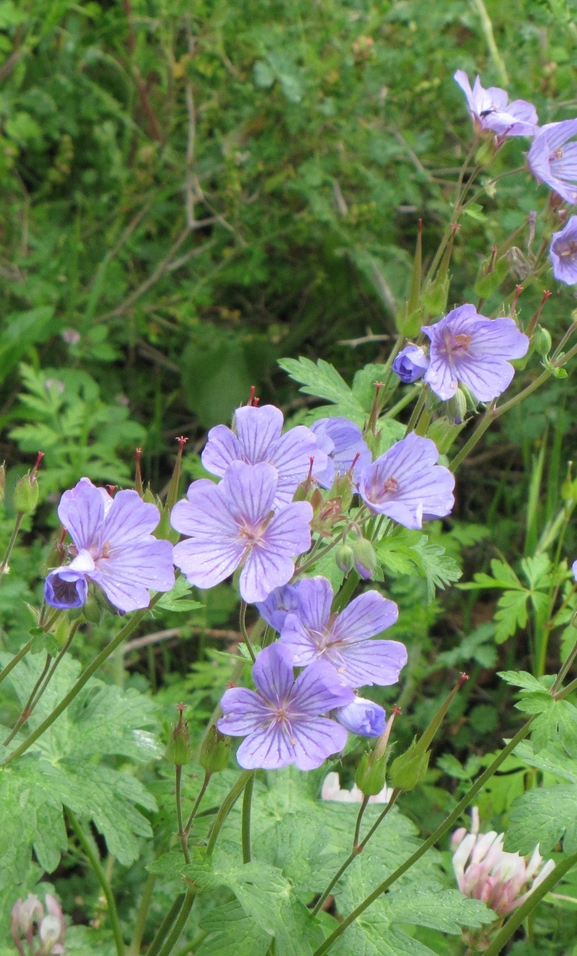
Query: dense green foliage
(193, 194)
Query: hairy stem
(90, 850)
(246, 813)
(227, 805)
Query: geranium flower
(344, 640)
(411, 364)
(113, 546)
(234, 524)
(563, 252)
(405, 483)
(490, 109)
(469, 348)
(362, 717)
(282, 719)
(345, 447)
(553, 159)
(258, 439)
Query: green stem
(179, 924)
(360, 814)
(90, 851)
(182, 836)
(140, 925)
(356, 849)
(11, 544)
(246, 813)
(523, 911)
(434, 837)
(405, 400)
(243, 630)
(197, 802)
(227, 805)
(82, 680)
(165, 926)
(16, 659)
(416, 413)
(27, 709)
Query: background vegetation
(192, 192)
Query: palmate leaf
(322, 380)
(65, 767)
(544, 815)
(409, 552)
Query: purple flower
(490, 109)
(281, 720)
(563, 252)
(362, 717)
(233, 524)
(410, 364)
(113, 546)
(343, 442)
(469, 348)
(344, 640)
(405, 483)
(278, 604)
(553, 159)
(574, 569)
(258, 439)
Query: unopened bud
(215, 751)
(370, 775)
(343, 488)
(26, 494)
(410, 768)
(178, 750)
(542, 341)
(457, 407)
(345, 558)
(365, 558)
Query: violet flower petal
(222, 448)
(362, 717)
(369, 614)
(128, 519)
(563, 252)
(243, 712)
(273, 673)
(81, 511)
(128, 574)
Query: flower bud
(344, 558)
(178, 750)
(542, 340)
(365, 558)
(411, 364)
(215, 751)
(343, 489)
(370, 775)
(410, 768)
(457, 407)
(26, 494)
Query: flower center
(391, 486)
(558, 154)
(64, 591)
(456, 344)
(106, 548)
(569, 251)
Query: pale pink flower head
(331, 790)
(28, 919)
(484, 871)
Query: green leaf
(439, 568)
(442, 909)
(544, 815)
(537, 571)
(177, 599)
(552, 759)
(232, 933)
(511, 614)
(557, 721)
(322, 380)
(407, 552)
(522, 679)
(475, 211)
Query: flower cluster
(484, 871)
(28, 920)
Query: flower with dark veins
(344, 640)
(563, 252)
(553, 158)
(407, 485)
(470, 348)
(490, 109)
(235, 524)
(258, 439)
(282, 720)
(113, 546)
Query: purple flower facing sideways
(234, 524)
(282, 720)
(490, 109)
(278, 604)
(113, 546)
(469, 348)
(405, 483)
(344, 640)
(411, 364)
(553, 159)
(563, 252)
(258, 439)
(343, 442)
(362, 717)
